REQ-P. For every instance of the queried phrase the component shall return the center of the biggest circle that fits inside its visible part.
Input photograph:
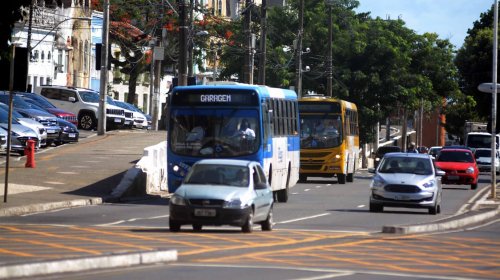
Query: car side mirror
(71, 99)
(261, 186)
(440, 173)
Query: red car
(460, 167)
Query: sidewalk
(75, 174)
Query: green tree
(474, 62)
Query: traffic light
(98, 48)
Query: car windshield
(210, 174)
(483, 153)
(40, 100)
(455, 156)
(387, 149)
(89, 96)
(214, 132)
(320, 131)
(413, 165)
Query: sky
(450, 19)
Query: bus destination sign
(215, 98)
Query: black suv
(381, 151)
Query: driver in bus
(245, 131)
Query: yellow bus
(329, 138)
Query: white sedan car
(223, 192)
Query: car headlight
(177, 200)
(429, 184)
(377, 182)
(234, 203)
(469, 170)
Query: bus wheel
(302, 178)
(350, 177)
(341, 178)
(282, 195)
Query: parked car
(434, 151)
(47, 119)
(129, 115)
(3, 139)
(19, 133)
(223, 192)
(84, 103)
(407, 180)
(36, 126)
(139, 119)
(460, 167)
(33, 98)
(381, 151)
(483, 160)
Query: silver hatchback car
(407, 180)
(223, 192)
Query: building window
(49, 56)
(85, 56)
(42, 57)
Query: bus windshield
(479, 141)
(214, 132)
(320, 131)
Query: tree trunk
(132, 84)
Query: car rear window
(455, 156)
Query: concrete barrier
(148, 176)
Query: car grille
(115, 112)
(69, 118)
(206, 202)
(402, 188)
(25, 138)
(48, 122)
(129, 115)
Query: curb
(443, 225)
(90, 263)
(42, 207)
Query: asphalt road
(325, 231)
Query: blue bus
(237, 121)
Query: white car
(84, 103)
(483, 160)
(223, 192)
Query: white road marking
(132, 220)
(306, 190)
(304, 218)
(361, 206)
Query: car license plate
(401, 197)
(204, 212)
(452, 177)
(51, 131)
(72, 135)
(117, 120)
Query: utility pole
(101, 123)
(190, 39)
(183, 33)
(248, 68)
(28, 47)
(298, 49)
(263, 39)
(494, 101)
(329, 77)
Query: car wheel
(341, 178)
(197, 227)
(473, 186)
(87, 121)
(174, 226)
(248, 226)
(374, 207)
(267, 225)
(434, 209)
